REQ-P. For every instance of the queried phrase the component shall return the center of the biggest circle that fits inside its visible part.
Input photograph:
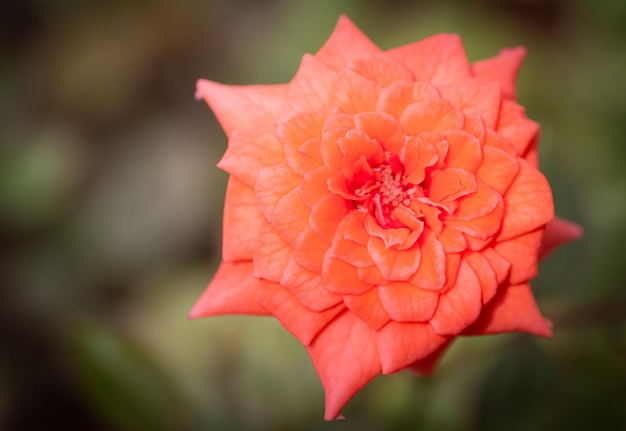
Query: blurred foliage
(110, 215)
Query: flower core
(382, 188)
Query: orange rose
(381, 204)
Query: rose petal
(453, 241)
(368, 307)
(523, 254)
(480, 214)
(327, 214)
(290, 216)
(371, 275)
(262, 103)
(346, 359)
(432, 115)
(233, 290)
(310, 250)
(307, 287)
(271, 255)
(294, 132)
(426, 365)
(475, 126)
(397, 96)
(380, 69)
(460, 306)
(464, 150)
(558, 232)
(249, 151)
(314, 185)
(383, 128)
(500, 265)
(502, 68)
(498, 169)
(431, 274)
(332, 156)
(394, 264)
(349, 251)
(346, 43)
(272, 184)
(402, 344)
(418, 155)
(242, 222)
(474, 96)
(309, 90)
(436, 59)
(302, 322)
(357, 146)
(486, 275)
(342, 278)
(407, 303)
(309, 154)
(512, 310)
(447, 185)
(353, 94)
(516, 128)
(392, 237)
(528, 203)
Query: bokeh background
(110, 220)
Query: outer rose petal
(309, 89)
(262, 103)
(242, 222)
(513, 125)
(307, 287)
(346, 358)
(474, 96)
(302, 322)
(523, 253)
(437, 59)
(401, 344)
(249, 151)
(512, 310)
(272, 184)
(271, 255)
(502, 68)
(380, 69)
(558, 232)
(528, 203)
(233, 290)
(346, 43)
(426, 365)
(353, 94)
(290, 216)
(499, 169)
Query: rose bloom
(381, 204)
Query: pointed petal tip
(558, 232)
(330, 416)
(195, 312)
(518, 52)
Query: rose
(381, 204)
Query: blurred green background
(110, 220)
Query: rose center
(384, 189)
